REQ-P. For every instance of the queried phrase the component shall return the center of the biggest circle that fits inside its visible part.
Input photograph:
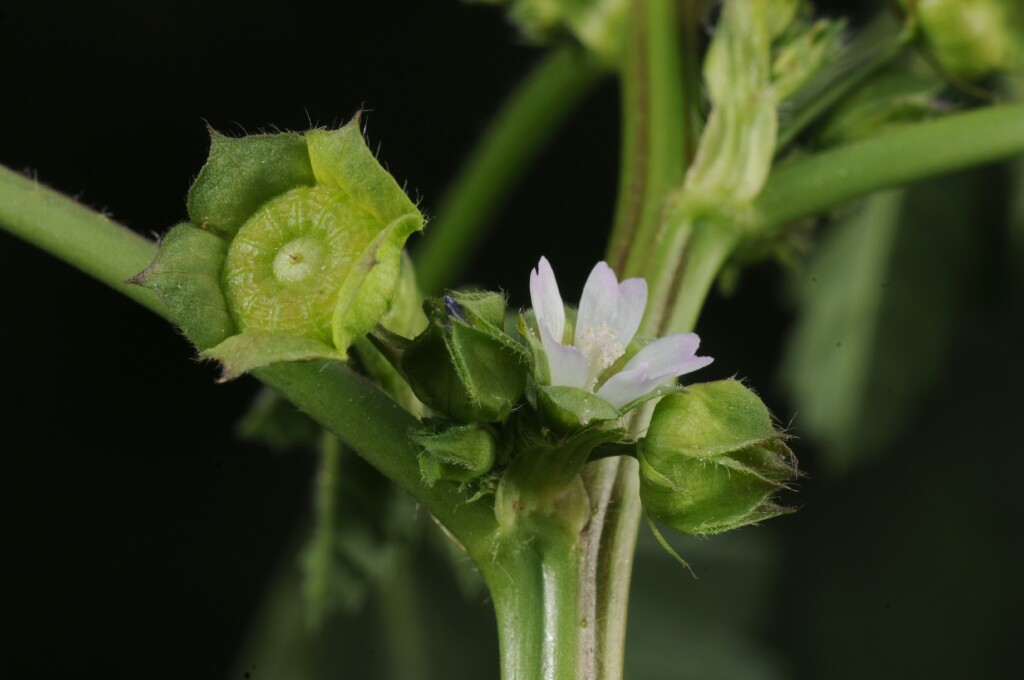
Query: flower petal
(546, 300)
(618, 306)
(632, 303)
(665, 358)
(566, 365)
(599, 304)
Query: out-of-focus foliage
(880, 302)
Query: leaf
(186, 276)
(880, 303)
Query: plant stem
(660, 109)
(830, 178)
(81, 237)
(536, 591)
(527, 120)
(659, 104)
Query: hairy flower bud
(712, 459)
(458, 454)
(463, 366)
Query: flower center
(601, 348)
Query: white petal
(566, 365)
(627, 385)
(599, 304)
(671, 356)
(632, 303)
(617, 306)
(546, 300)
(665, 358)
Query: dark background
(139, 535)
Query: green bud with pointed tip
(971, 38)
(293, 252)
(712, 459)
(464, 366)
(457, 454)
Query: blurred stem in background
(515, 137)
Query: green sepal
(570, 409)
(254, 349)
(367, 291)
(186, 277)
(242, 174)
(712, 459)
(457, 454)
(340, 158)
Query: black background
(138, 534)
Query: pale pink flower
(609, 316)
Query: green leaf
(244, 173)
(186, 276)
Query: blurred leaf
(879, 303)
(273, 421)
(363, 524)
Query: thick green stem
(830, 178)
(542, 632)
(529, 118)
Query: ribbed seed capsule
(288, 261)
(293, 250)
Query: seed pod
(712, 459)
(308, 232)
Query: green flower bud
(293, 251)
(464, 366)
(457, 454)
(599, 25)
(971, 38)
(712, 459)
